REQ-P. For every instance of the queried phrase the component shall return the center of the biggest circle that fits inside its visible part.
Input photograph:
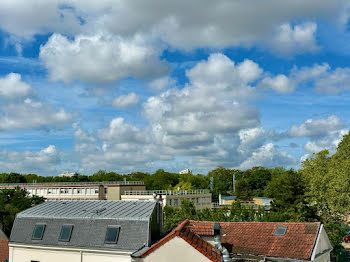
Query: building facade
(84, 231)
(80, 190)
(201, 198)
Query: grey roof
(96, 209)
(133, 217)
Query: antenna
(211, 183)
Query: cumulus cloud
(44, 161)
(279, 83)
(268, 156)
(323, 133)
(215, 25)
(295, 39)
(162, 83)
(322, 77)
(206, 123)
(101, 58)
(125, 100)
(11, 86)
(317, 127)
(32, 114)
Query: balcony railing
(166, 192)
(12, 185)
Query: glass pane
(66, 232)
(280, 231)
(38, 232)
(112, 235)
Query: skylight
(38, 231)
(66, 232)
(280, 231)
(112, 234)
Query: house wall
(115, 192)
(28, 253)
(175, 250)
(323, 247)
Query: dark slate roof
(90, 220)
(96, 209)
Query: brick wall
(4, 250)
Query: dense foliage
(13, 201)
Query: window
(176, 201)
(280, 231)
(170, 202)
(66, 233)
(112, 234)
(38, 231)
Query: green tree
(223, 183)
(13, 201)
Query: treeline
(251, 182)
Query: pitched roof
(90, 220)
(96, 209)
(258, 237)
(190, 237)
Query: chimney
(217, 242)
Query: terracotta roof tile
(190, 237)
(258, 237)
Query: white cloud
(32, 114)
(44, 161)
(101, 58)
(323, 133)
(322, 77)
(11, 86)
(125, 100)
(317, 127)
(215, 24)
(298, 39)
(279, 83)
(162, 83)
(268, 156)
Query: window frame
(285, 228)
(116, 237)
(42, 233)
(70, 233)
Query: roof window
(112, 234)
(38, 232)
(280, 231)
(66, 233)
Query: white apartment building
(110, 190)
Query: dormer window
(112, 234)
(38, 232)
(66, 233)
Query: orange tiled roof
(190, 237)
(258, 237)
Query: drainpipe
(217, 242)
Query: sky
(134, 85)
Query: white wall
(26, 254)
(175, 250)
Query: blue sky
(135, 86)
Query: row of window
(112, 233)
(63, 191)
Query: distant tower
(233, 183)
(211, 183)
